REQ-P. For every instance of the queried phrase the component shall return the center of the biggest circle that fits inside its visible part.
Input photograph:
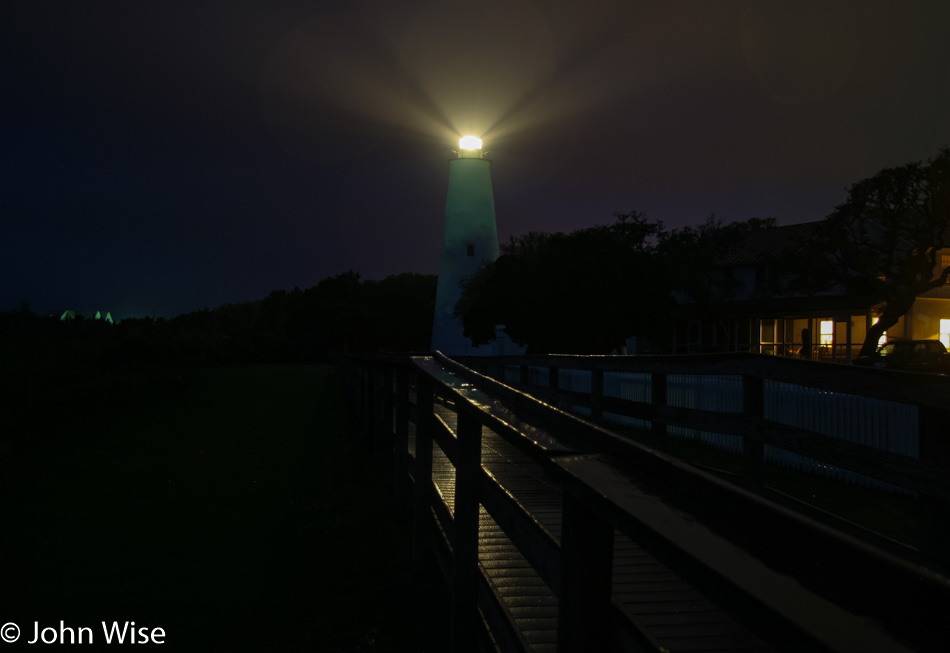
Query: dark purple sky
(167, 156)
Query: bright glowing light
(826, 333)
(883, 339)
(470, 143)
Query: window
(767, 334)
(826, 333)
(945, 333)
(767, 337)
(470, 249)
(883, 339)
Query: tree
(584, 292)
(884, 241)
(691, 257)
(400, 309)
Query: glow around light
(470, 143)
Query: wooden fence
(881, 428)
(794, 583)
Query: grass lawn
(235, 512)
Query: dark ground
(232, 509)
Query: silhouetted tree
(341, 315)
(400, 308)
(884, 241)
(691, 256)
(582, 292)
(691, 260)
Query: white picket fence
(886, 425)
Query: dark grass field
(233, 510)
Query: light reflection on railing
(717, 392)
(887, 425)
(632, 386)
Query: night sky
(162, 157)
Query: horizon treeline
(60, 374)
(340, 314)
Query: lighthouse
(470, 237)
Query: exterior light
(470, 143)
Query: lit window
(883, 339)
(945, 333)
(826, 333)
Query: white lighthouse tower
(470, 237)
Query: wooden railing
(793, 581)
(838, 444)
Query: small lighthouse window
(470, 249)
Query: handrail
(929, 390)
(729, 542)
(927, 474)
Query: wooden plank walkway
(665, 608)
(701, 561)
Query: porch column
(848, 338)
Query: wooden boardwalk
(675, 615)
(556, 534)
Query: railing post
(465, 534)
(658, 399)
(934, 511)
(753, 408)
(385, 438)
(401, 438)
(554, 383)
(422, 488)
(366, 393)
(586, 569)
(597, 394)
(376, 410)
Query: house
(756, 312)
(87, 315)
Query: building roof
(769, 244)
(784, 307)
(88, 315)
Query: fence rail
(798, 403)
(464, 445)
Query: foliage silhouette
(583, 292)
(588, 291)
(884, 241)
